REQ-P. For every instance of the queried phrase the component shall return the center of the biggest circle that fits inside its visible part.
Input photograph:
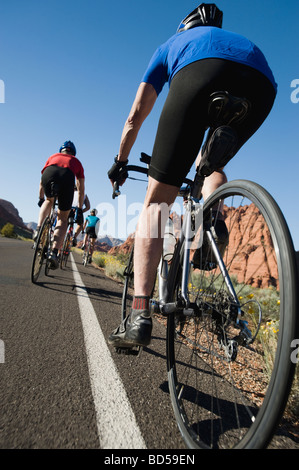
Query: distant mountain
(31, 225)
(111, 241)
(9, 214)
(103, 243)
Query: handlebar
(139, 169)
(127, 169)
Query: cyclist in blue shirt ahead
(200, 59)
(91, 227)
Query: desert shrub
(8, 231)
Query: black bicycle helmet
(206, 14)
(70, 146)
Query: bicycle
(67, 242)
(44, 241)
(87, 256)
(228, 343)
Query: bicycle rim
(227, 392)
(40, 251)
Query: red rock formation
(251, 254)
(250, 251)
(8, 213)
(125, 247)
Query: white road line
(117, 426)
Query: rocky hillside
(9, 214)
(255, 259)
(124, 247)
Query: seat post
(198, 184)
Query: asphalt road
(47, 379)
(61, 385)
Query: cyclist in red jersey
(62, 169)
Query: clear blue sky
(71, 69)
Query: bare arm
(143, 104)
(80, 186)
(87, 204)
(41, 190)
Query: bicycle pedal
(134, 351)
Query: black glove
(78, 216)
(40, 202)
(118, 171)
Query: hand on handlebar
(118, 171)
(117, 175)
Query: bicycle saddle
(225, 109)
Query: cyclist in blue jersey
(201, 58)
(91, 226)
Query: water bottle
(169, 241)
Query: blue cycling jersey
(92, 220)
(199, 43)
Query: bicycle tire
(212, 406)
(126, 302)
(65, 250)
(40, 251)
(86, 254)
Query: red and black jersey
(64, 160)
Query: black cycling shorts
(183, 120)
(91, 232)
(64, 180)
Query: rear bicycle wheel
(66, 248)
(40, 252)
(86, 254)
(229, 374)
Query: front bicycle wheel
(229, 364)
(126, 302)
(40, 252)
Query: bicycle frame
(188, 231)
(191, 224)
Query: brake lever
(116, 191)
